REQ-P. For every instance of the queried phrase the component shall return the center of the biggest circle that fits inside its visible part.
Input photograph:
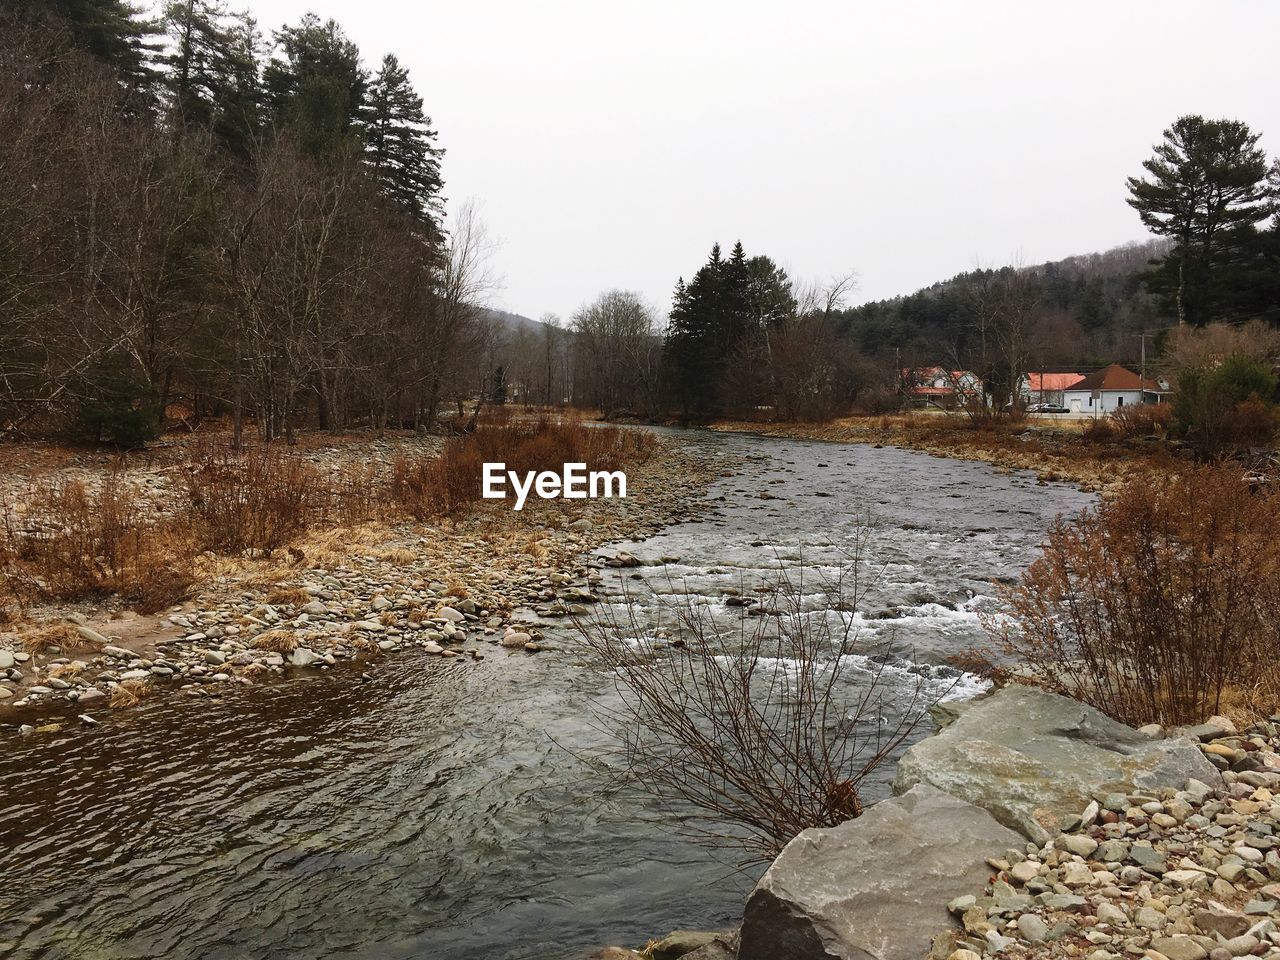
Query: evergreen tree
(212, 72)
(317, 89)
(770, 299)
(714, 317)
(400, 143)
(1207, 191)
(114, 31)
(239, 109)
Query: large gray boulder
(875, 887)
(1032, 759)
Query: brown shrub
(76, 542)
(1099, 431)
(1143, 419)
(258, 500)
(1152, 605)
(453, 480)
(1251, 423)
(355, 494)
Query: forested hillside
(1090, 310)
(201, 216)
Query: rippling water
(436, 812)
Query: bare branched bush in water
(766, 723)
(1156, 604)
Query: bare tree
(458, 336)
(765, 723)
(618, 351)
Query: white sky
(609, 144)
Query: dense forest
(202, 218)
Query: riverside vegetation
(322, 553)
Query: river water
(437, 812)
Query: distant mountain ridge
(1091, 309)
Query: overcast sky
(609, 144)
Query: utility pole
(1142, 388)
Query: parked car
(1047, 408)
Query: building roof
(1114, 377)
(1037, 382)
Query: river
(437, 811)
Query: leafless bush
(1156, 604)
(76, 541)
(452, 482)
(258, 500)
(767, 722)
(1142, 419)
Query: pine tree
(1207, 190)
(317, 89)
(212, 72)
(735, 305)
(239, 114)
(400, 143)
(113, 31)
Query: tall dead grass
(72, 541)
(1157, 605)
(258, 500)
(75, 541)
(452, 482)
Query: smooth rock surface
(875, 887)
(1033, 758)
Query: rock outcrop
(874, 888)
(1033, 759)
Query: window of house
(1119, 401)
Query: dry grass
(451, 483)
(327, 548)
(456, 588)
(74, 541)
(276, 641)
(287, 597)
(64, 636)
(398, 556)
(66, 669)
(129, 693)
(254, 518)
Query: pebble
(1183, 875)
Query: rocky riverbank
(1034, 826)
(1182, 874)
(347, 595)
(1054, 451)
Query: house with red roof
(1046, 387)
(1107, 390)
(939, 387)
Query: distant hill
(513, 322)
(1092, 308)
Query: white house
(1046, 387)
(1109, 389)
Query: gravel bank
(1175, 875)
(347, 596)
